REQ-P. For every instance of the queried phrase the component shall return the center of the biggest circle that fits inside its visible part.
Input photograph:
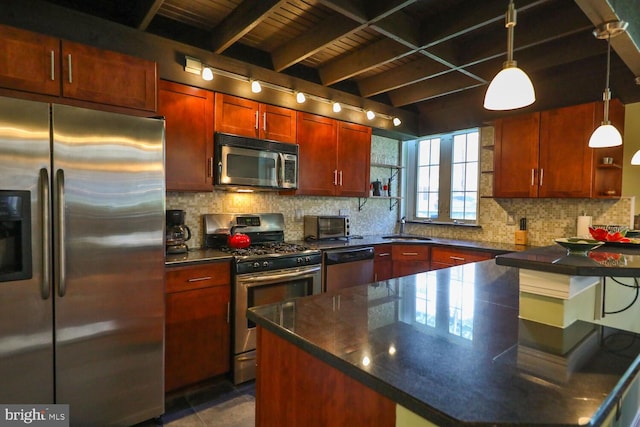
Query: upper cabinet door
(244, 117)
(354, 159)
(105, 77)
(566, 161)
(516, 156)
(29, 61)
(278, 123)
(237, 116)
(188, 113)
(317, 172)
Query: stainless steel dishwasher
(347, 267)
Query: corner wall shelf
(393, 200)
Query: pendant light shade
(502, 93)
(635, 160)
(511, 88)
(606, 135)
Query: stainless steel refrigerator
(82, 261)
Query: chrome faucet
(403, 221)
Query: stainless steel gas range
(270, 270)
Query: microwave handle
(281, 169)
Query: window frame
(445, 185)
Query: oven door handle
(275, 277)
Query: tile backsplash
(546, 218)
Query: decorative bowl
(578, 245)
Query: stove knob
(256, 265)
(265, 264)
(308, 259)
(299, 260)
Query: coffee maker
(177, 232)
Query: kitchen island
(443, 348)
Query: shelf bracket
(392, 204)
(361, 202)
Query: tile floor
(219, 404)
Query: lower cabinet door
(197, 342)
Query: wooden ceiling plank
(149, 14)
(241, 21)
(371, 56)
(398, 77)
(300, 48)
(352, 9)
(444, 85)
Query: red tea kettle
(238, 240)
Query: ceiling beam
(327, 32)
(241, 21)
(412, 72)
(371, 56)
(627, 44)
(438, 86)
(148, 13)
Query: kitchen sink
(406, 238)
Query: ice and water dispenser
(15, 235)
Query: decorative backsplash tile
(546, 218)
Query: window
(442, 178)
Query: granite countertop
(448, 345)
(609, 260)
(194, 256)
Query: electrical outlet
(299, 214)
(511, 219)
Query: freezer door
(26, 309)
(108, 190)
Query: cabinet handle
(257, 117)
(457, 258)
(541, 176)
(228, 311)
(210, 167)
(53, 65)
(70, 69)
(533, 177)
(410, 253)
(384, 254)
(340, 173)
(264, 122)
(199, 279)
(335, 177)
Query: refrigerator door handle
(60, 270)
(45, 289)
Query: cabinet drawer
(455, 256)
(198, 276)
(409, 252)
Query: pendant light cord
(607, 91)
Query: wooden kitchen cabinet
(334, 157)
(49, 66)
(443, 257)
(546, 154)
(197, 332)
(188, 113)
(409, 259)
(245, 117)
(382, 263)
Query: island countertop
(449, 346)
(609, 260)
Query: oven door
(268, 287)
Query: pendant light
(606, 135)
(511, 88)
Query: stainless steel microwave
(249, 163)
(325, 227)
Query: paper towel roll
(584, 222)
